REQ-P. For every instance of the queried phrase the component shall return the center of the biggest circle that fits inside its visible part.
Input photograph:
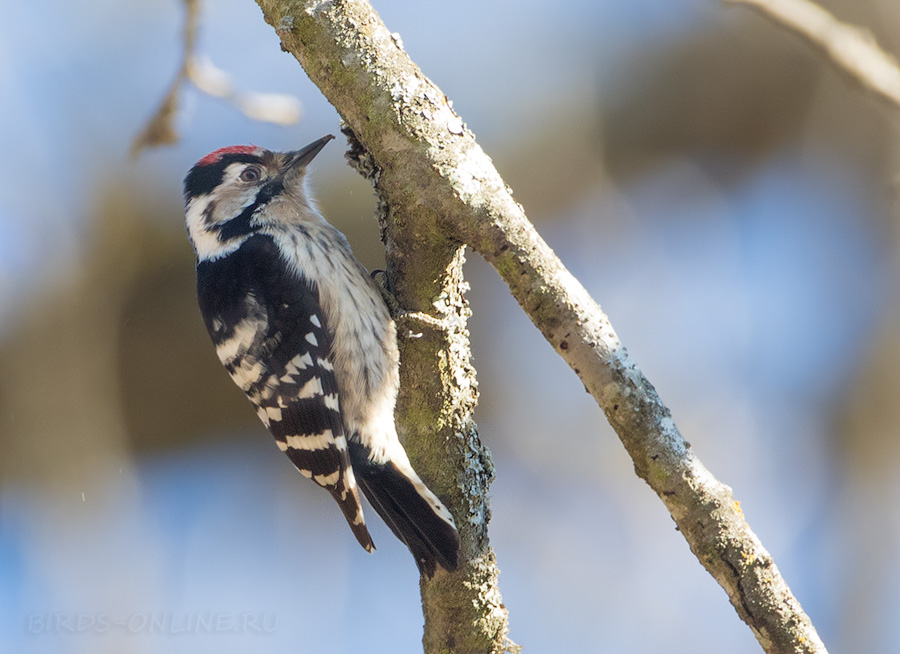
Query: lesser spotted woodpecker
(303, 330)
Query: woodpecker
(303, 330)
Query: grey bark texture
(438, 190)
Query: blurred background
(727, 197)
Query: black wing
(271, 335)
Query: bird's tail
(415, 514)
(348, 499)
(330, 468)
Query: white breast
(364, 347)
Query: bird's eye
(250, 174)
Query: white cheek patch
(207, 212)
(206, 244)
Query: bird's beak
(299, 159)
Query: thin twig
(277, 108)
(160, 129)
(852, 49)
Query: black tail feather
(352, 511)
(430, 538)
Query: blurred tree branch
(160, 129)
(438, 190)
(267, 107)
(852, 49)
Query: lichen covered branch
(441, 191)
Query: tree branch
(850, 48)
(160, 130)
(435, 412)
(441, 188)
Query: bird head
(232, 192)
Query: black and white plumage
(302, 329)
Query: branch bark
(851, 49)
(435, 413)
(442, 191)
